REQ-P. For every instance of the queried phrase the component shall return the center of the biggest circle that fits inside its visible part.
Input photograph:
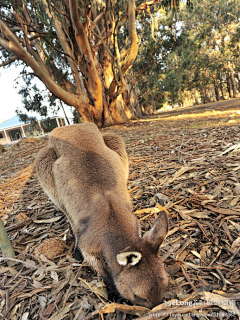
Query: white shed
(14, 129)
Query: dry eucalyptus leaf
(236, 243)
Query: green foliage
(192, 55)
(48, 124)
(208, 39)
(76, 117)
(34, 99)
(153, 51)
(32, 122)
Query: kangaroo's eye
(139, 299)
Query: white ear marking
(130, 258)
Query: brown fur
(85, 174)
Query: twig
(67, 293)
(218, 254)
(7, 299)
(20, 261)
(188, 279)
(174, 247)
(223, 279)
(85, 282)
(80, 309)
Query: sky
(10, 99)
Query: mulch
(187, 166)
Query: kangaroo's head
(142, 278)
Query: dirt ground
(183, 161)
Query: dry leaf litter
(189, 167)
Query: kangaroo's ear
(129, 258)
(158, 232)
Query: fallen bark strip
(112, 307)
(222, 210)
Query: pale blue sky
(10, 99)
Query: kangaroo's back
(80, 164)
(84, 136)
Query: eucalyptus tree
(160, 37)
(205, 53)
(156, 43)
(82, 50)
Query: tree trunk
(213, 94)
(207, 98)
(196, 97)
(154, 105)
(234, 88)
(217, 95)
(196, 100)
(117, 111)
(202, 93)
(222, 89)
(66, 117)
(229, 85)
(180, 104)
(138, 110)
(131, 101)
(238, 77)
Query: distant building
(14, 129)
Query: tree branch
(99, 17)
(9, 61)
(17, 49)
(143, 6)
(100, 37)
(133, 50)
(84, 47)
(62, 38)
(133, 37)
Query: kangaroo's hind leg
(44, 168)
(116, 143)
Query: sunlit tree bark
(73, 47)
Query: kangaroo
(85, 174)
